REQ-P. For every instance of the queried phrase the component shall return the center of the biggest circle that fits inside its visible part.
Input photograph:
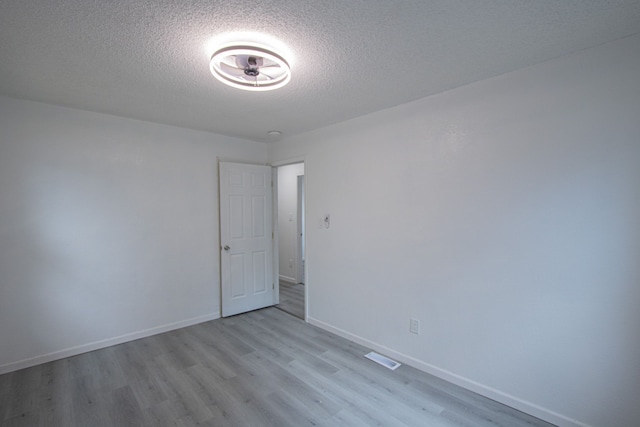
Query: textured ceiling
(149, 59)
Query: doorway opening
(291, 239)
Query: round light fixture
(250, 67)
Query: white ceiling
(149, 59)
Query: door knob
(226, 248)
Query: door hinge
(273, 286)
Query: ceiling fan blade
(241, 61)
(266, 62)
(272, 72)
(233, 71)
(230, 61)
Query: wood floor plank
(163, 414)
(188, 399)
(58, 415)
(307, 397)
(342, 390)
(124, 409)
(23, 420)
(292, 334)
(383, 381)
(148, 392)
(344, 418)
(108, 370)
(210, 359)
(90, 406)
(292, 299)
(267, 343)
(263, 368)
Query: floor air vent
(384, 361)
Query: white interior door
(300, 231)
(246, 237)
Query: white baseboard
(512, 401)
(96, 345)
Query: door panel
(257, 216)
(259, 272)
(245, 237)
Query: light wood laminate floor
(264, 368)
(292, 299)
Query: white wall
(288, 219)
(108, 229)
(505, 216)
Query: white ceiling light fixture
(249, 66)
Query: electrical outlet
(414, 326)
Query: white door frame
(276, 260)
(276, 239)
(300, 230)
